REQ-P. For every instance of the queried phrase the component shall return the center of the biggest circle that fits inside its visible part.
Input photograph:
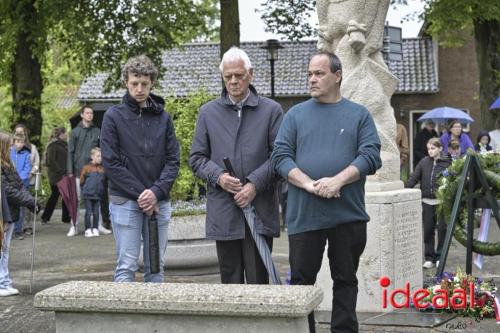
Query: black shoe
(18, 236)
(28, 231)
(44, 221)
(66, 221)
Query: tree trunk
(229, 25)
(27, 88)
(487, 40)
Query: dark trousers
(239, 260)
(91, 210)
(429, 221)
(105, 207)
(346, 243)
(51, 204)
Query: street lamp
(272, 46)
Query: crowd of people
(134, 160)
(432, 156)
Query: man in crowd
(242, 126)
(83, 138)
(141, 160)
(402, 142)
(325, 148)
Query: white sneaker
(8, 292)
(437, 264)
(88, 233)
(103, 230)
(72, 231)
(14, 291)
(428, 264)
(95, 232)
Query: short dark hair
(86, 106)
(335, 64)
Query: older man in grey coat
(242, 126)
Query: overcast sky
(252, 27)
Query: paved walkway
(60, 258)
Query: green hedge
(185, 112)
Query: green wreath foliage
(448, 187)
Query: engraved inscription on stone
(407, 247)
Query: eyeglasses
(237, 76)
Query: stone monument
(354, 30)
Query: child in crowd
(483, 142)
(21, 129)
(20, 157)
(427, 173)
(454, 150)
(93, 191)
(17, 196)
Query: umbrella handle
(229, 166)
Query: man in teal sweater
(325, 148)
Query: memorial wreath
(448, 186)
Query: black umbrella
(154, 246)
(260, 242)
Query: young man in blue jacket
(325, 148)
(141, 160)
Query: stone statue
(354, 30)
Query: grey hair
(139, 65)
(234, 54)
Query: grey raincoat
(247, 139)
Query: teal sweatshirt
(322, 140)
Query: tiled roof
(68, 98)
(417, 71)
(197, 65)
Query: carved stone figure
(354, 30)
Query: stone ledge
(180, 298)
(402, 195)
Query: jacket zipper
(432, 177)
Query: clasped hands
(327, 187)
(243, 194)
(148, 202)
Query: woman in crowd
(455, 132)
(427, 173)
(56, 156)
(17, 196)
(21, 129)
(483, 142)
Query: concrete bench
(88, 306)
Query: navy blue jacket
(139, 148)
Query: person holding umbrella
(325, 148)
(241, 126)
(455, 132)
(56, 155)
(140, 155)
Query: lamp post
(272, 46)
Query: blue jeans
(19, 223)
(129, 224)
(5, 281)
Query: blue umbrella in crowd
(260, 242)
(445, 113)
(496, 104)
